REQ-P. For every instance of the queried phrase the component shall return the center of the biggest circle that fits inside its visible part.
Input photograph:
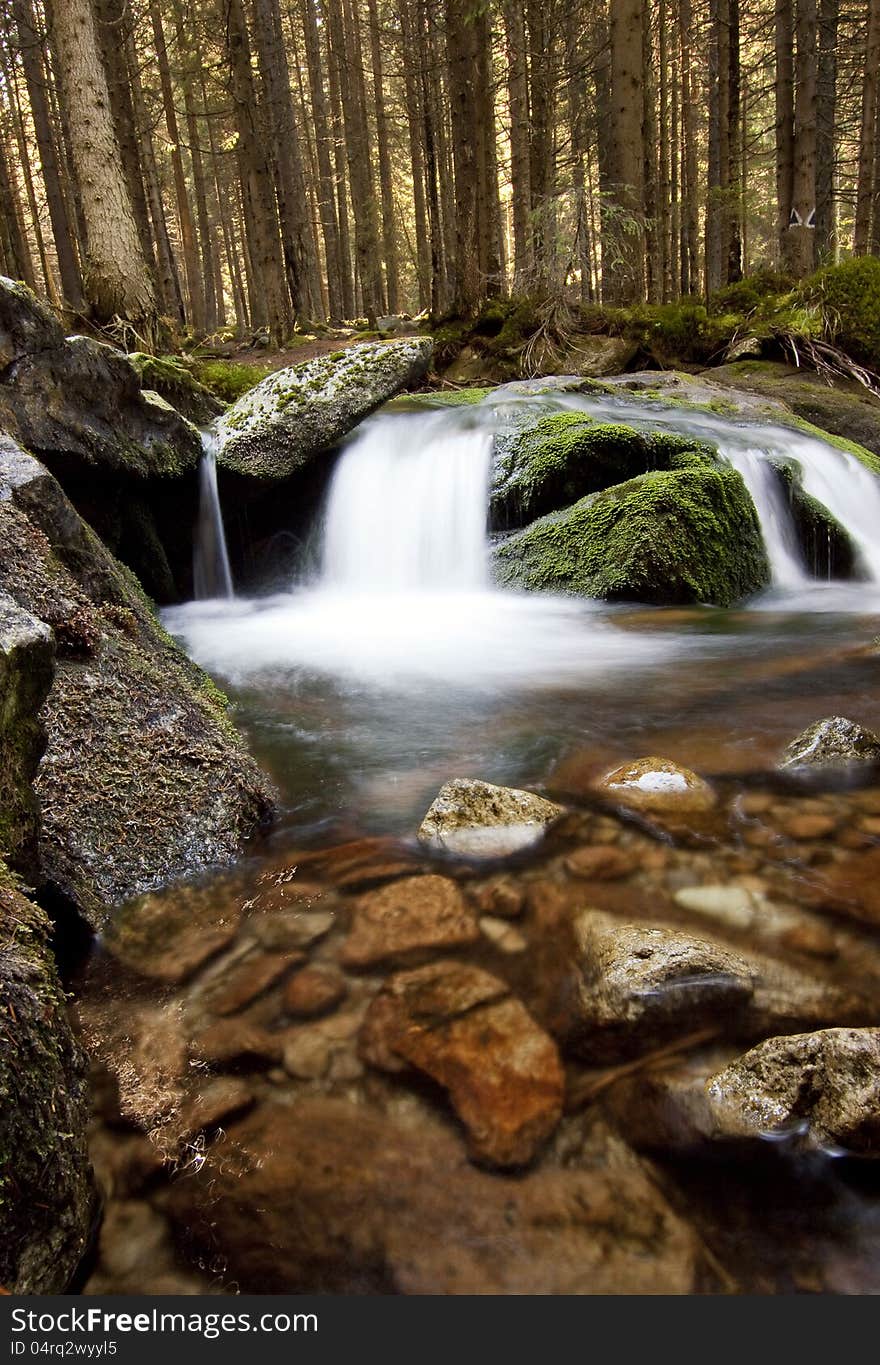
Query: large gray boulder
(27, 663)
(78, 403)
(295, 414)
(143, 779)
(47, 1196)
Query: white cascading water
(212, 576)
(407, 509)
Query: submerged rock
(406, 920)
(297, 413)
(658, 785)
(78, 403)
(823, 1087)
(143, 779)
(463, 1028)
(47, 1196)
(638, 984)
(832, 742)
(472, 817)
(332, 1196)
(671, 537)
(27, 665)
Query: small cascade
(212, 577)
(407, 507)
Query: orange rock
(407, 918)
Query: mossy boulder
(849, 296)
(78, 403)
(143, 779)
(298, 413)
(174, 381)
(47, 1193)
(228, 380)
(553, 462)
(27, 665)
(666, 537)
(827, 547)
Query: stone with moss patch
(672, 536)
(47, 1194)
(296, 414)
(144, 778)
(553, 462)
(173, 380)
(228, 380)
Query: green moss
(567, 455)
(227, 380)
(849, 296)
(683, 536)
(455, 398)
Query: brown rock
(314, 990)
(810, 827)
(329, 1046)
(235, 1042)
(503, 935)
(247, 979)
(472, 817)
(850, 888)
(169, 936)
(462, 1027)
(329, 1196)
(407, 918)
(599, 863)
(286, 930)
(658, 786)
(502, 898)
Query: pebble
(810, 827)
(313, 991)
(503, 935)
(600, 863)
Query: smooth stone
(247, 980)
(733, 905)
(503, 935)
(599, 863)
(219, 1102)
(314, 990)
(657, 785)
(476, 818)
(287, 930)
(235, 1042)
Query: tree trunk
(520, 171)
(326, 187)
(623, 269)
(389, 243)
(346, 40)
(826, 115)
(334, 60)
(801, 237)
(189, 59)
(867, 140)
(689, 257)
(31, 47)
(415, 124)
(784, 96)
(117, 277)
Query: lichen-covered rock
(463, 1028)
(47, 1197)
(823, 1087)
(27, 664)
(406, 920)
(472, 817)
(295, 414)
(544, 465)
(77, 403)
(144, 778)
(832, 742)
(331, 1196)
(638, 984)
(658, 785)
(176, 384)
(674, 536)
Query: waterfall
(407, 507)
(212, 576)
(836, 479)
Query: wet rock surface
(823, 1088)
(296, 414)
(27, 667)
(47, 1195)
(658, 785)
(471, 817)
(168, 786)
(834, 741)
(461, 1026)
(409, 918)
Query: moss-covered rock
(673, 536)
(563, 456)
(27, 664)
(78, 403)
(228, 380)
(47, 1195)
(296, 414)
(174, 381)
(144, 779)
(826, 546)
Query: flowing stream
(212, 576)
(395, 664)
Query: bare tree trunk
(623, 266)
(521, 184)
(117, 277)
(784, 93)
(16, 249)
(801, 238)
(689, 257)
(334, 57)
(826, 115)
(867, 140)
(415, 123)
(326, 188)
(389, 243)
(31, 47)
(189, 60)
(346, 39)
